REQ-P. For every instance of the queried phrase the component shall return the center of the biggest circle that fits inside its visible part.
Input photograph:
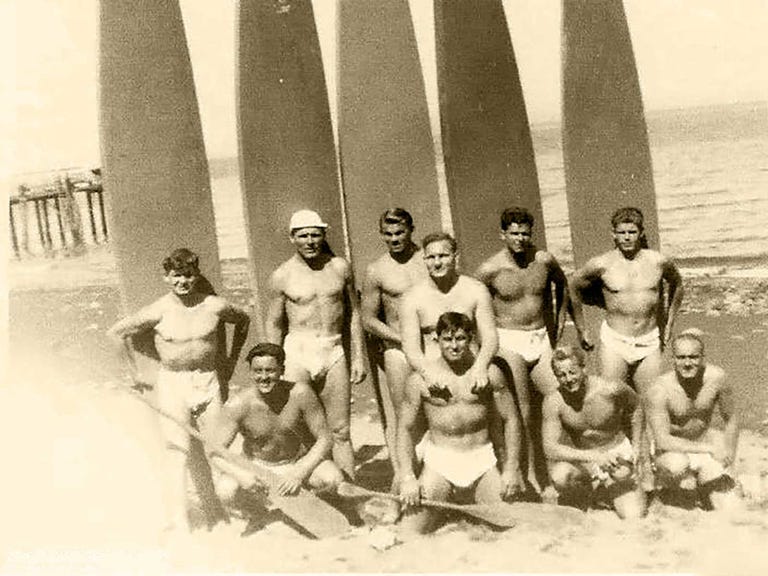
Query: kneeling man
(457, 450)
(283, 428)
(593, 413)
(691, 456)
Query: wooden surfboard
(605, 140)
(287, 152)
(489, 159)
(155, 167)
(385, 141)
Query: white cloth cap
(306, 219)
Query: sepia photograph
(399, 286)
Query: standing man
(630, 279)
(386, 280)
(692, 457)
(185, 325)
(593, 413)
(521, 279)
(283, 428)
(312, 303)
(457, 451)
(445, 291)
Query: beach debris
(382, 538)
(378, 511)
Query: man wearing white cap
(312, 302)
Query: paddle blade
(500, 515)
(314, 515)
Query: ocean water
(711, 176)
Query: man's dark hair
(452, 321)
(433, 237)
(516, 215)
(182, 260)
(568, 352)
(266, 349)
(396, 216)
(627, 215)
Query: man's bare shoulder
(302, 393)
(494, 263)
(551, 403)
(470, 283)
(280, 273)
(238, 403)
(660, 388)
(714, 375)
(340, 265)
(545, 258)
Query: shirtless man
(283, 428)
(593, 412)
(457, 451)
(185, 325)
(312, 303)
(445, 291)
(386, 280)
(520, 279)
(693, 458)
(631, 280)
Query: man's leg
(545, 382)
(488, 488)
(397, 371)
(645, 374)
(174, 465)
(613, 366)
(629, 500)
(335, 397)
(572, 483)
(326, 477)
(420, 519)
(679, 481)
(716, 485)
(200, 468)
(521, 381)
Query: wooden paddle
(501, 514)
(314, 515)
(498, 515)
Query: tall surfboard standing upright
(487, 143)
(385, 140)
(155, 168)
(605, 140)
(287, 151)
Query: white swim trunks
(310, 353)
(601, 476)
(701, 460)
(191, 390)
(460, 467)
(632, 348)
(530, 344)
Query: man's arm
(314, 418)
(121, 332)
(511, 475)
(356, 362)
(658, 418)
(557, 279)
(370, 306)
(726, 400)
(486, 331)
(406, 428)
(410, 332)
(275, 323)
(223, 433)
(582, 280)
(242, 321)
(671, 274)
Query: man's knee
(673, 465)
(326, 477)
(565, 476)
(226, 488)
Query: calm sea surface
(711, 175)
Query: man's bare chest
(515, 283)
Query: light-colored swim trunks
(530, 344)
(632, 348)
(460, 467)
(190, 390)
(310, 353)
(601, 476)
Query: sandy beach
(82, 493)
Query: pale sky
(689, 53)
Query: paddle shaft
(471, 509)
